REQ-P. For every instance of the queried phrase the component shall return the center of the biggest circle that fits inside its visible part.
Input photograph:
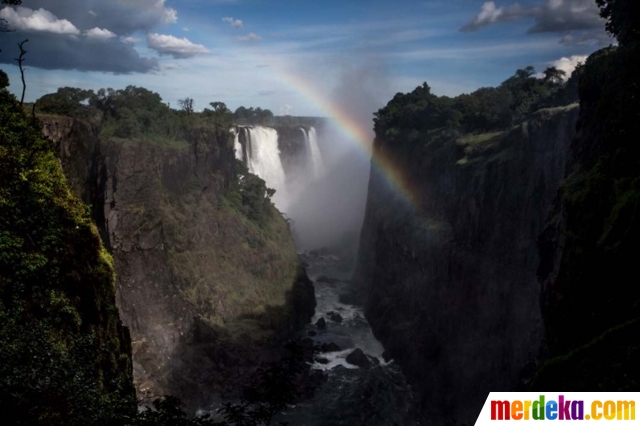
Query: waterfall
(264, 161)
(316, 157)
(237, 146)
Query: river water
(354, 396)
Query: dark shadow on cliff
(211, 364)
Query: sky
(275, 54)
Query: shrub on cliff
(65, 354)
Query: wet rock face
(180, 256)
(449, 277)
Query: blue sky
(367, 50)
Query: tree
(4, 80)
(187, 105)
(554, 75)
(4, 25)
(69, 101)
(623, 19)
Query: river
(351, 395)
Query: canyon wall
(448, 258)
(207, 276)
(588, 250)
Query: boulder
(329, 347)
(321, 323)
(334, 316)
(357, 357)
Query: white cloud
(250, 37)
(92, 13)
(235, 23)
(174, 46)
(99, 33)
(131, 40)
(170, 16)
(490, 14)
(186, 29)
(26, 19)
(568, 65)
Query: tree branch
(20, 61)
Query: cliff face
(63, 347)
(449, 278)
(591, 300)
(203, 288)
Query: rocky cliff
(591, 300)
(204, 287)
(447, 267)
(66, 357)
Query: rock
(357, 357)
(321, 323)
(312, 333)
(322, 360)
(328, 280)
(386, 356)
(329, 347)
(320, 252)
(334, 316)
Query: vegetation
(623, 19)
(4, 25)
(258, 115)
(486, 110)
(65, 355)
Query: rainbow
(344, 122)
(353, 132)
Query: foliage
(623, 19)
(258, 115)
(251, 196)
(4, 80)
(65, 354)
(68, 101)
(221, 115)
(486, 109)
(4, 28)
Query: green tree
(554, 75)
(69, 101)
(187, 105)
(623, 19)
(4, 25)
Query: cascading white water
(264, 161)
(316, 157)
(237, 146)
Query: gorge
(240, 268)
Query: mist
(328, 211)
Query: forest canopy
(486, 109)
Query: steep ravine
(203, 289)
(448, 274)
